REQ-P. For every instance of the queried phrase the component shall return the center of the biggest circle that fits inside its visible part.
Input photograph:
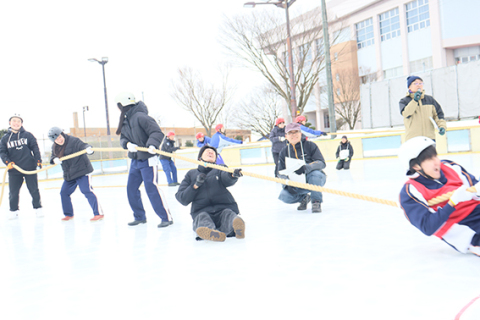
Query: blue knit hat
(411, 79)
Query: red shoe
(67, 218)
(97, 218)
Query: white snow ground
(355, 260)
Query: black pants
(342, 164)
(15, 181)
(275, 160)
(221, 221)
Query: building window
(320, 47)
(337, 77)
(364, 33)
(421, 65)
(326, 120)
(468, 59)
(335, 56)
(418, 16)
(305, 54)
(393, 73)
(389, 24)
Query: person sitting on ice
(456, 220)
(301, 161)
(214, 210)
(309, 133)
(220, 140)
(202, 140)
(344, 154)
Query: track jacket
(206, 140)
(220, 141)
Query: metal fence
(455, 88)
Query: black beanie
(411, 79)
(202, 149)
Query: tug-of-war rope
(301, 185)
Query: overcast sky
(45, 74)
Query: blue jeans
(83, 183)
(140, 172)
(317, 178)
(170, 170)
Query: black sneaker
(136, 222)
(303, 204)
(164, 224)
(316, 206)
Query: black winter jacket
(140, 129)
(20, 148)
(76, 167)
(168, 146)
(275, 136)
(212, 196)
(344, 146)
(306, 150)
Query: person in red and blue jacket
(220, 140)
(456, 220)
(202, 140)
(306, 131)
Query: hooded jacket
(416, 116)
(140, 129)
(168, 146)
(275, 135)
(306, 150)
(20, 148)
(76, 167)
(345, 146)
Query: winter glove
(281, 139)
(291, 190)
(237, 173)
(460, 195)
(10, 165)
(301, 170)
(324, 134)
(441, 131)
(57, 161)
(131, 147)
(417, 95)
(39, 164)
(477, 193)
(347, 159)
(200, 179)
(152, 150)
(89, 150)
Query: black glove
(324, 133)
(291, 189)
(417, 95)
(200, 179)
(301, 170)
(237, 173)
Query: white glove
(152, 149)
(89, 150)
(131, 147)
(282, 139)
(57, 161)
(477, 194)
(460, 195)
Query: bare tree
(259, 111)
(346, 88)
(259, 41)
(204, 100)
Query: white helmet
(125, 99)
(411, 149)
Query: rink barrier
(287, 182)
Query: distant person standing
(20, 147)
(344, 154)
(220, 140)
(202, 140)
(420, 111)
(277, 136)
(168, 165)
(137, 129)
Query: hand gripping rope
(306, 186)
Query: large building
(384, 39)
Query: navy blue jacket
(76, 167)
(275, 135)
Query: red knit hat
(300, 118)
(170, 133)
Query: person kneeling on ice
(455, 220)
(214, 210)
(76, 171)
(307, 162)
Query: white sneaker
(39, 212)
(12, 215)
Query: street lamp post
(85, 108)
(103, 61)
(284, 4)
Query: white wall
(367, 60)
(391, 53)
(459, 18)
(420, 44)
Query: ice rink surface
(355, 260)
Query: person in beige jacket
(420, 111)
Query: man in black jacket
(20, 147)
(301, 149)
(137, 129)
(76, 172)
(168, 165)
(214, 210)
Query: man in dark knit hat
(420, 111)
(214, 210)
